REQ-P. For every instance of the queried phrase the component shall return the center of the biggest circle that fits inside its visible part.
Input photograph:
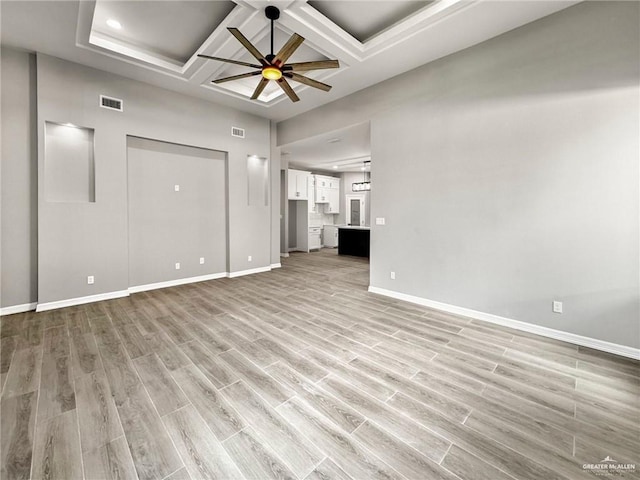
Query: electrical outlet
(380, 221)
(393, 275)
(176, 188)
(90, 280)
(249, 258)
(557, 307)
(201, 260)
(177, 265)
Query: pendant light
(365, 185)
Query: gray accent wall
(168, 226)
(508, 173)
(80, 239)
(18, 167)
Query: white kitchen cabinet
(330, 236)
(298, 184)
(327, 192)
(322, 195)
(333, 206)
(322, 181)
(321, 189)
(315, 238)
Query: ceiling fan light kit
(271, 73)
(274, 66)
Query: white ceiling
(343, 150)
(146, 23)
(364, 19)
(160, 39)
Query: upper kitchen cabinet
(334, 201)
(327, 193)
(298, 184)
(322, 195)
(322, 188)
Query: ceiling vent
(111, 103)
(237, 132)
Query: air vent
(111, 103)
(237, 132)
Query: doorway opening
(356, 204)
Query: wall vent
(237, 132)
(111, 103)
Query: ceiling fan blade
(237, 77)
(308, 81)
(287, 50)
(259, 88)
(304, 66)
(248, 45)
(284, 85)
(235, 62)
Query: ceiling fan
(274, 67)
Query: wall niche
(69, 170)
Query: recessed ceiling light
(363, 168)
(114, 24)
(335, 167)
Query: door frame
(355, 196)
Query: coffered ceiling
(158, 41)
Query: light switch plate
(201, 260)
(177, 266)
(176, 188)
(90, 280)
(380, 220)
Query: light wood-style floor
(300, 373)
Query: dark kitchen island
(353, 241)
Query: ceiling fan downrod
(273, 14)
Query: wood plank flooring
(299, 373)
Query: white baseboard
(174, 283)
(594, 343)
(251, 271)
(42, 307)
(284, 255)
(25, 307)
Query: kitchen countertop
(353, 227)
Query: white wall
(508, 173)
